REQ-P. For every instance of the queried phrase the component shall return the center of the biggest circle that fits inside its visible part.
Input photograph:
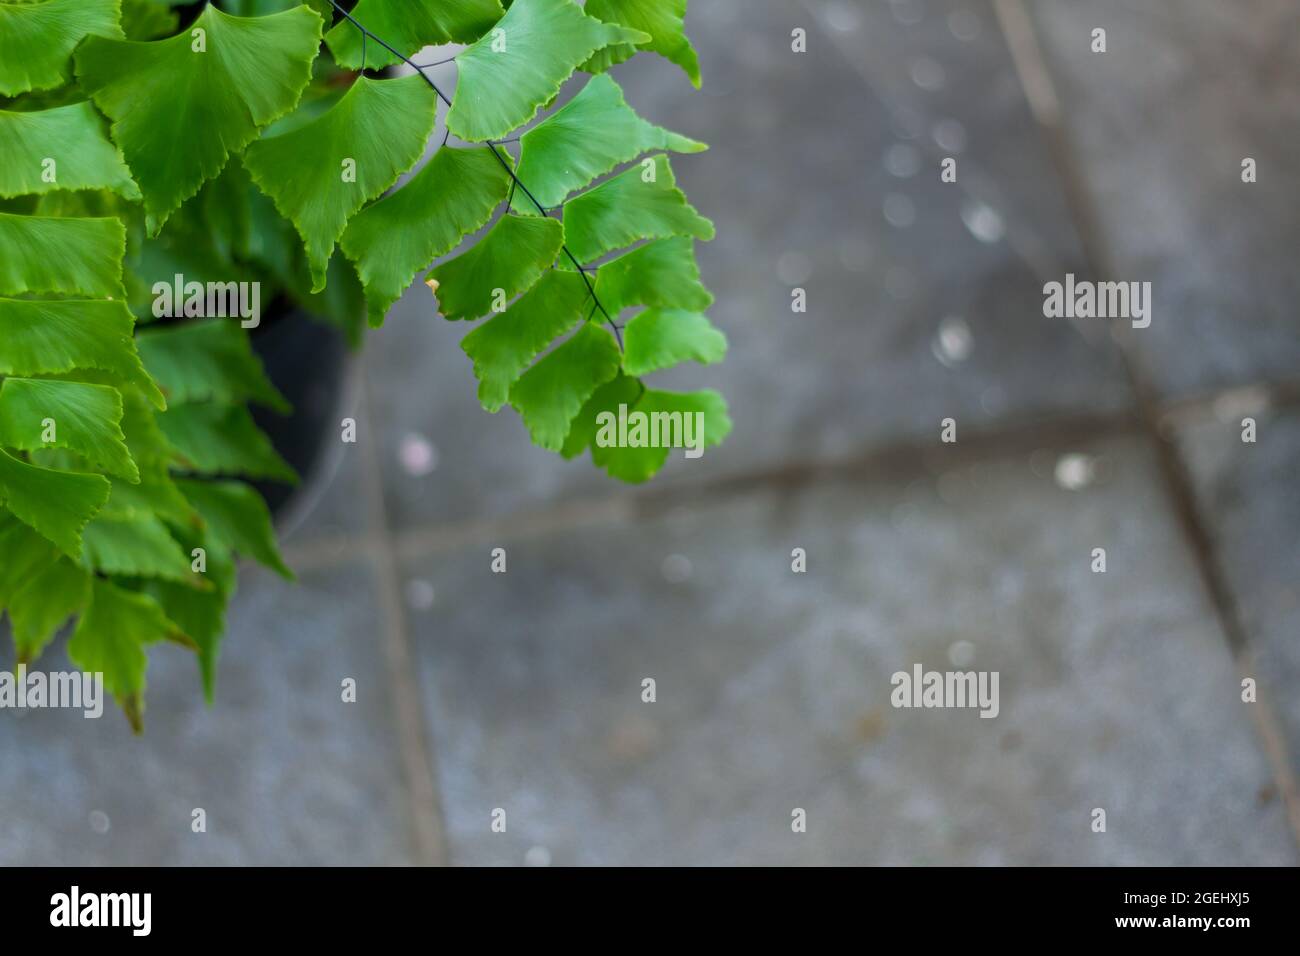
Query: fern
(140, 140)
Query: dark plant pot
(307, 359)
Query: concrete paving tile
(1247, 494)
(773, 688)
(287, 773)
(1160, 124)
(944, 70)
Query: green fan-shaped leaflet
(408, 26)
(214, 439)
(82, 418)
(504, 263)
(110, 639)
(322, 173)
(509, 74)
(61, 148)
(207, 360)
(37, 40)
(52, 254)
(661, 338)
(39, 587)
(641, 464)
(551, 393)
(662, 273)
(589, 136)
(503, 347)
(182, 106)
(56, 504)
(638, 464)
(138, 547)
(53, 337)
(662, 20)
(391, 241)
(155, 494)
(237, 517)
(636, 204)
(620, 390)
(201, 612)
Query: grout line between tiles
(1040, 90)
(417, 760)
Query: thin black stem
(490, 144)
(422, 66)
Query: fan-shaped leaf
(509, 74)
(83, 418)
(61, 148)
(57, 504)
(637, 464)
(662, 20)
(504, 263)
(39, 587)
(586, 138)
(214, 439)
(662, 273)
(48, 338)
(642, 202)
(237, 517)
(321, 173)
(181, 106)
(67, 256)
(502, 347)
(661, 338)
(138, 547)
(392, 240)
(209, 360)
(156, 493)
(201, 613)
(551, 393)
(111, 637)
(37, 40)
(620, 390)
(409, 26)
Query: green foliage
(589, 136)
(322, 173)
(507, 261)
(503, 347)
(141, 140)
(50, 254)
(83, 418)
(408, 26)
(639, 203)
(393, 240)
(181, 106)
(37, 39)
(62, 148)
(661, 338)
(508, 75)
(661, 20)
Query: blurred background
(522, 691)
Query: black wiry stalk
(493, 146)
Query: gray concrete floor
(522, 691)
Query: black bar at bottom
(337, 906)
